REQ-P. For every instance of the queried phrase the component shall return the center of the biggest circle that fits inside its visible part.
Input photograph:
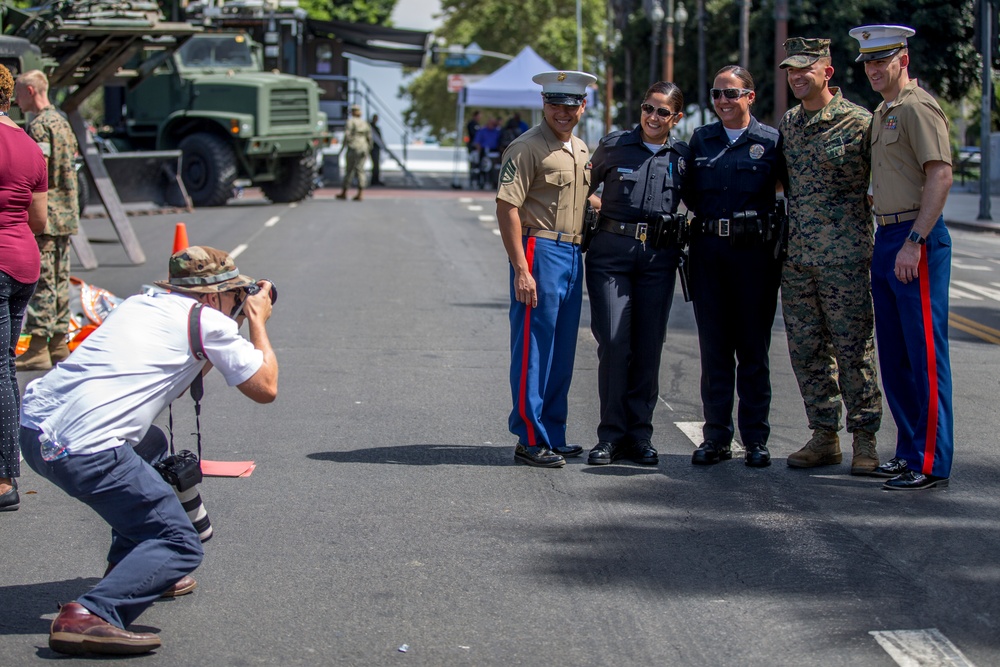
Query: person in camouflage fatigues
(47, 318)
(358, 143)
(825, 284)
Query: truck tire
(208, 169)
(296, 180)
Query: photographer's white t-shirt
(109, 391)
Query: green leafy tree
(548, 26)
(353, 11)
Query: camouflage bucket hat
(203, 270)
(804, 52)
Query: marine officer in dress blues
(544, 183)
(911, 265)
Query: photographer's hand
(262, 387)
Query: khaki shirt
(358, 135)
(546, 182)
(906, 136)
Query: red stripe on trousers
(930, 444)
(522, 400)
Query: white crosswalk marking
(487, 218)
(988, 292)
(920, 648)
(955, 293)
(694, 433)
(959, 264)
(475, 208)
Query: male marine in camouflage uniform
(358, 142)
(47, 317)
(825, 285)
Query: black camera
(254, 288)
(181, 470)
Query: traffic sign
(456, 61)
(458, 81)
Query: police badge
(757, 151)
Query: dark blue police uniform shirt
(728, 179)
(638, 184)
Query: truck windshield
(216, 51)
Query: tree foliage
(352, 11)
(548, 26)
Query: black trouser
(631, 288)
(735, 294)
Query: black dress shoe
(643, 452)
(911, 480)
(892, 468)
(602, 454)
(10, 501)
(568, 451)
(543, 457)
(757, 455)
(710, 453)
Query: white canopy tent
(510, 87)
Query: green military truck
(232, 121)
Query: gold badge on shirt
(756, 151)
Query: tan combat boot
(823, 449)
(58, 349)
(865, 457)
(36, 357)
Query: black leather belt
(636, 231)
(721, 227)
(559, 237)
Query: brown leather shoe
(75, 630)
(185, 585)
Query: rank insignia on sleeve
(507, 172)
(757, 151)
(890, 123)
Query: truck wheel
(208, 168)
(296, 180)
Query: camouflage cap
(203, 270)
(803, 52)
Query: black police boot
(643, 452)
(710, 453)
(602, 454)
(568, 451)
(757, 455)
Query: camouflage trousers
(355, 167)
(830, 323)
(48, 312)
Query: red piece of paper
(227, 468)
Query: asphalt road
(386, 509)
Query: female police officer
(735, 272)
(631, 267)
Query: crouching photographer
(86, 426)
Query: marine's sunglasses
(730, 93)
(660, 111)
(248, 290)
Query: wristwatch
(916, 238)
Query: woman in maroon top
(23, 204)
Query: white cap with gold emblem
(565, 88)
(880, 41)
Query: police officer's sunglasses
(730, 93)
(660, 111)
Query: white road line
(694, 433)
(273, 221)
(466, 200)
(955, 293)
(475, 208)
(487, 218)
(959, 264)
(238, 250)
(496, 232)
(988, 292)
(920, 648)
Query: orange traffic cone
(180, 238)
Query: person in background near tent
(358, 144)
(470, 131)
(544, 183)
(23, 210)
(48, 313)
(911, 266)
(376, 151)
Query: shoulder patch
(507, 172)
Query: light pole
(680, 16)
(656, 19)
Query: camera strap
(197, 385)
